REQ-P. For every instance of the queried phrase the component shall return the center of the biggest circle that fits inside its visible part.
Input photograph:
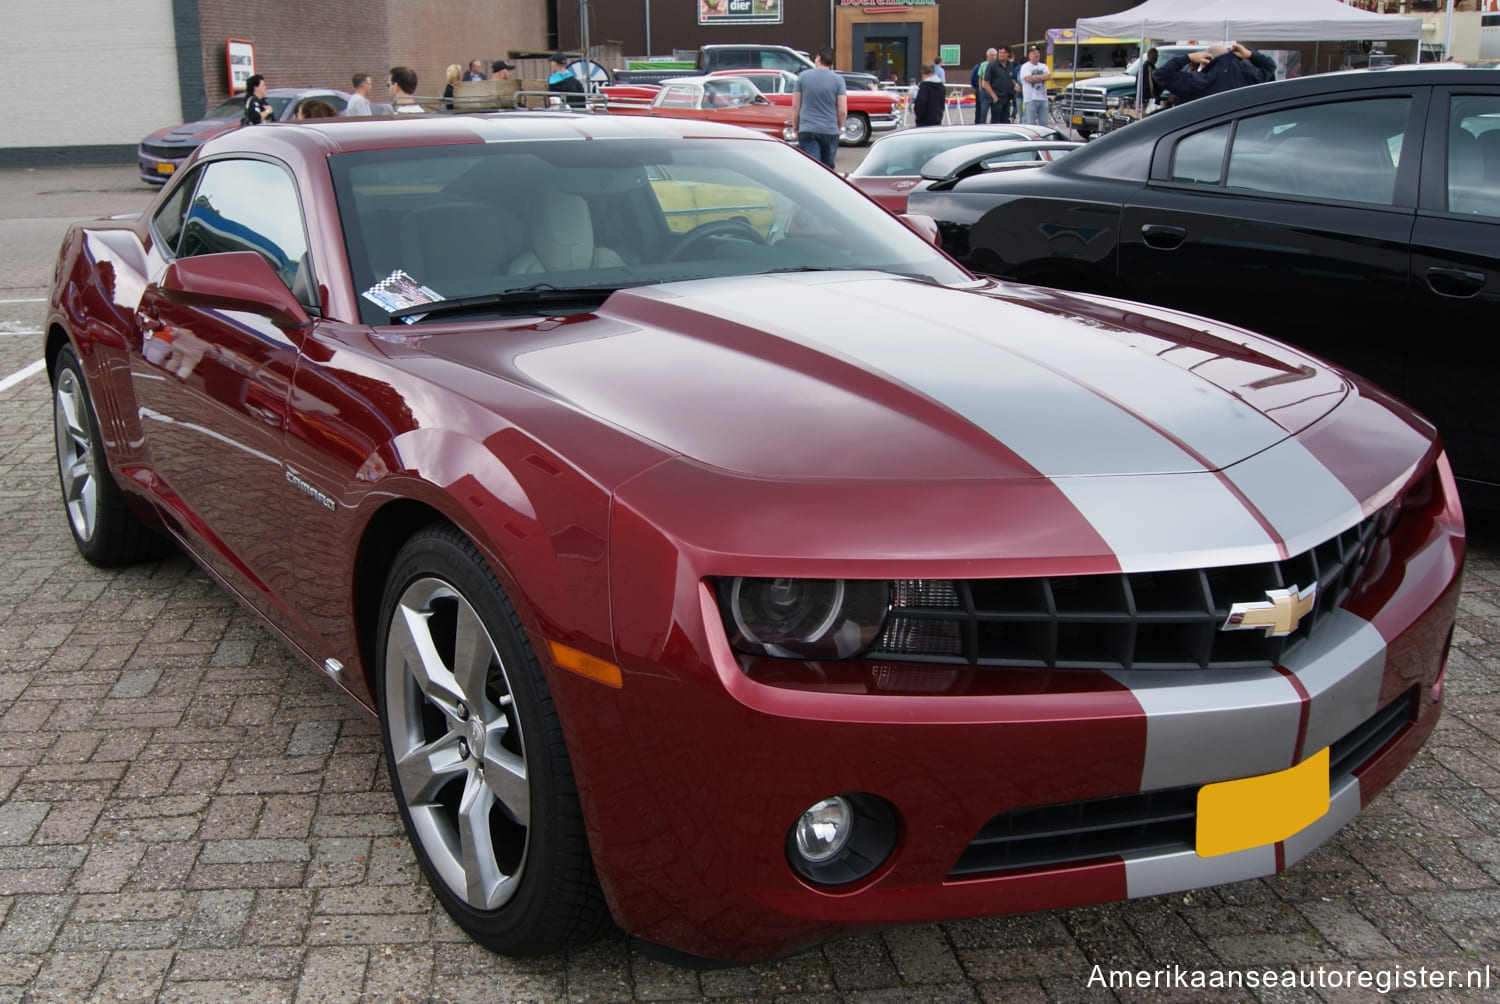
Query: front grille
(1084, 101)
(1129, 621)
(166, 152)
(1151, 822)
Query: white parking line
(34, 299)
(3, 333)
(20, 375)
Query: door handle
(902, 186)
(1162, 237)
(1458, 282)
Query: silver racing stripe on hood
(1101, 418)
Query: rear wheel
(106, 531)
(476, 755)
(856, 129)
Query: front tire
(106, 531)
(856, 130)
(476, 755)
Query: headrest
(564, 232)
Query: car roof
(318, 138)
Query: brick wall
(324, 42)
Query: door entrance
(890, 51)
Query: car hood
(193, 132)
(861, 375)
(1105, 82)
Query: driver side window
(246, 205)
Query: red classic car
(750, 584)
(870, 111)
(730, 100)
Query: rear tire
(476, 755)
(107, 533)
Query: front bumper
(694, 771)
(157, 169)
(880, 123)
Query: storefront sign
(240, 57)
(739, 11)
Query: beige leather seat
(562, 238)
(458, 240)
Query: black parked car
(1355, 214)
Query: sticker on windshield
(398, 291)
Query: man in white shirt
(403, 86)
(359, 101)
(1034, 88)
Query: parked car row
(163, 152)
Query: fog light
(824, 829)
(842, 838)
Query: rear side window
(1199, 159)
(167, 223)
(1474, 155)
(1345, 151)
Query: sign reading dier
(239, 57)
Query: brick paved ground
(187, 815)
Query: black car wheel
(476, 754)
(106, 531)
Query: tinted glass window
(1345, 151)
(1474, 155)
(246, 205)
(168, 219)
(773, 60)
(1200, 157)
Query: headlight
(802, 618)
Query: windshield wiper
(541, 293)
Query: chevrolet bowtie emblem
(1279, 613)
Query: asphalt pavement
(188, 815)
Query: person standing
(476, 71)
(501, 69)
(981, 91)
(939, 72)
(1213, 71)
(931, 100)
(403, 86)
(564, 81)
(257, 108)
(820, 103)
(1034, 74)
(999, 82)
(359, 101)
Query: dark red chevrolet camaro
(717, 555)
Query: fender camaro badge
(1279, 613)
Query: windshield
(903, 156)
(234, 107)
(530, 220)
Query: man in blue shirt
(820, 103)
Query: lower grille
(166, 152)
(1143, 620)
(1152, 822)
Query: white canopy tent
(1244, 20)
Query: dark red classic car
(750, 576)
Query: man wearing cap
(501, 70)
(563, 81)
(1034, 74)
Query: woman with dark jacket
(927, 107)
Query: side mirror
(233, 280)
(923, 226)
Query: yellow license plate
(165, 168)
(1078, 120)
(1254, 811)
